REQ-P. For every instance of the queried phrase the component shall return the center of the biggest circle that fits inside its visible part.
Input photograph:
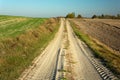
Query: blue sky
(53, 8)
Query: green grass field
(21, 40)
(14, 26)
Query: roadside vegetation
(102, 52)
(21, 40)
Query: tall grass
(17, 53)
(100, 51)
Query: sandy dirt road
(83, 69)
(65, 57)
(44, 67)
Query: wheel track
(102, 70)
(46, 66)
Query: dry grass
(17, 53)
(107, 56)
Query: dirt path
(65, 58)
(44, 67)
(83, 69)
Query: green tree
(118, 16)
(70, 15)
(94, 16)
(102, 16)
(79, 16)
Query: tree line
(72, 15)
(103, 16)
(106, 16)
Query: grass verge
(107, 57)
(17, 53)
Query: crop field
(106, 31)
(102, 36)
(21, 40)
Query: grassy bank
(18, 51)
(108, 58)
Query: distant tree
(109, 17)
(106, 16)
(70, 15)
(79, 16)
(102, 16)
(118, 16)
(94, 16)
(113, 17)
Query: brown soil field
(106, 31)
